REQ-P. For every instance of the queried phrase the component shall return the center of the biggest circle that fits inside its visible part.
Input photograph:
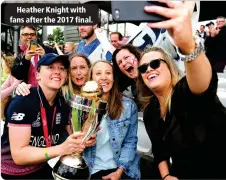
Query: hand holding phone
(178, 25)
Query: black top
(25, 111)
(193, 133)
(216, 47)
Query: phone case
(33, 45)
(133, 11)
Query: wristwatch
(198, 49)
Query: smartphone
(133, 11)
(33, 45)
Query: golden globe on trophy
(88, 110)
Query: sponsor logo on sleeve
(17, 116)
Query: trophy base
(70, 167)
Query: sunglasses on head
(154, 64)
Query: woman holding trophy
(114, 155)
(34, 124)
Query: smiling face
(102, 73)
(79, 70)
(155, 79)
(127, 63)
(53, 76)
(27, 35)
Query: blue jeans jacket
(123, 139)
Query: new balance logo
(17, 116)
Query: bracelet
(46, 154)
(165, 176)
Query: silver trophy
(87, 115)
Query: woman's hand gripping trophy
(87, 112)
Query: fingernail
(146, 7)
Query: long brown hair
(124, 80)
(115, 107)
(70, 88)
(146, 94)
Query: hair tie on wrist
(165, 176)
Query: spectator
(202, 32)
(114, 155)
(215, 45)
(125, 61)
(79, 69)
(8, 86)
(210, 26)
(183, 116)
(197, 33)
(115, 38)
(26, 61)
(69, 48)
(91, 46)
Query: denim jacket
(123, 139)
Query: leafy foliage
(57, 36)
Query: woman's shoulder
(29, 99)
(126, 99)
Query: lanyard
(45, 125)
(44, 121)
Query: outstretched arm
(198, 71)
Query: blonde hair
(115, 96)
(70, 88)
(72, 45)
(146, 94)
(9, 61)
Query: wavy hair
(146, 94)
(70, 88)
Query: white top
(104, 154)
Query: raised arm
(58, 49)
(198, 71)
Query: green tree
(57, 36)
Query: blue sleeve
(109, 56)
(129, 144)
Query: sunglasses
(154, 64)
(29, 34)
